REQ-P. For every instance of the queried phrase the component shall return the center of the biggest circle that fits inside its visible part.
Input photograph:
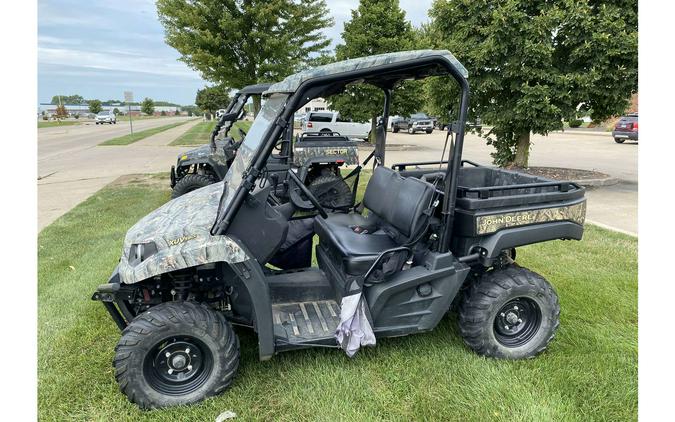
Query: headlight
(139, 252)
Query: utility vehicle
(318, 160)
(105, 116)
(434, 232)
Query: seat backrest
(399, 202)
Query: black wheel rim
(517, 322)
(178, 365)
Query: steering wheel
(308, 194)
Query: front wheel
(619, 140)
(189, 183)
(394, 129)
(510, 313)
(176, 353)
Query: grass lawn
(199, 134)
(589, 372)
(43, 123)
(137, 136)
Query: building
(317, 104)
(83, 109)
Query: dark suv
(626, 128)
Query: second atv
(317, 158)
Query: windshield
(249, 147)
(104, 113)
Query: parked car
(105, 116)
(626, 128)
(398, 123)
(330, 121)
(420, 122)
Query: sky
(101, 49)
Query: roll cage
(384, 76)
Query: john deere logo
(179, 240)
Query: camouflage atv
(208, 164)
(316, 158)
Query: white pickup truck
(330, 121)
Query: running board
(306, 323)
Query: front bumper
(114, 296)
(421, 128)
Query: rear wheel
(176, 353)
(510, 313)
(325, 132)
(410, 130)
(189, 183)
(331, 191)
(619, 140)
(395, 129)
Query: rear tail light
(309, 124)
(635, 126)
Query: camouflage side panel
(180, 232)
(486, 224)
(303, 154)
(292, 82)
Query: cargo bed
(498, 209)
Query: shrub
(576, 122)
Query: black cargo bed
(486, 187)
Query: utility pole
(129, 98)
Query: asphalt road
(72, 167)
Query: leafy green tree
(241, 42)
(148, 106)
(116, 111)
(376, 27)
(532, 62)
(95, 106)
(67, 99)
(212, 98)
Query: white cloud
(115, 60)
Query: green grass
(137, 136)
(588, 373)
(199, 134)
(43, 123)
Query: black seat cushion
(396, 211)
(355, 251)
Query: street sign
(129, 98)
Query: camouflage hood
(176, 236)
(201, 153)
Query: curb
(589, 183)
(614, 229)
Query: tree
(67, 99)
(377, 26)
(212, 98)
(61, 112)
(116, 111)
(532, 62)
(239, 43)
(95, 106)
(148, 106)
